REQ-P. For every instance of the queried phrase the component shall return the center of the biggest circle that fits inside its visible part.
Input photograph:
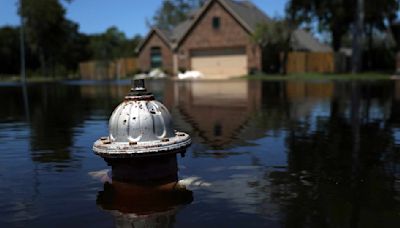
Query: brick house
(216, 40)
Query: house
(216, 40)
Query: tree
(107, 47)
(173, 12)
(74, 49)
(45, 29)
(129, 46)
(379, 16)
(54, 44)
(334, 16)
(358, 25)
(337, 16)
(9, 46)
(274, 38)
(10, 52)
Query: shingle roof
(180, 30)
(248, 12)
(304, 41)
(164, 35)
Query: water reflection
(341, 148)
(346, 159)
(279, 153)
(135, 205)
(26, 101)
(143, 192)
(217, 111)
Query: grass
(270, 77)
(322, 76)
(35, 78)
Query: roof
(247, 14)
(180, 30)
(304, 41)
(164, 35)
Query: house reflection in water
(216, 110)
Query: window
(155, 57)
(216, 22)
(217, 129)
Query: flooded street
(264, 154)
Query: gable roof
(163, 34)
(304, 41)
(247, 14)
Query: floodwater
(264, 154)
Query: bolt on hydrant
(141, 143)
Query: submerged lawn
(322, 76)
(271, 77)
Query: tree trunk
(42, 60)
(284, 61)
(357, 37)
(286, 54)
(336, 39)
(370, 45)
(53, 67)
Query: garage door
(220, 63)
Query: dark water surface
(264, 154)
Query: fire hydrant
(141, 143)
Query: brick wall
(144, 55)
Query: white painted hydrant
(141, 138)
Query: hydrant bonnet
(140, 126)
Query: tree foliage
(45, 28)
(9, 46)
(108, 45)
(274, 38)
(173, 12)
(112, 44)
(54, 44)
(276, 33)
(337, 16)
(334, 16)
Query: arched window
(155, 57)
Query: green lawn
(272, 77)
(321, 76)
(34, 78)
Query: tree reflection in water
(341, 165)
(339, 168)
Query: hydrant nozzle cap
(138, 85)
(138, 88)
